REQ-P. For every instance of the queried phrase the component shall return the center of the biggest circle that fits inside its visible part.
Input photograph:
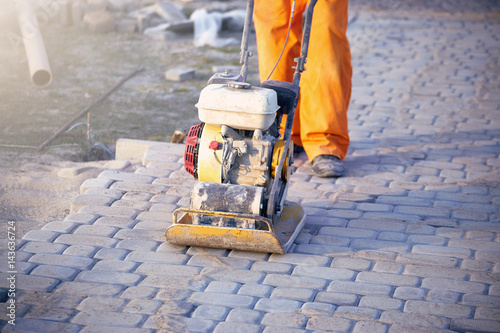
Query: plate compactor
(242, 162)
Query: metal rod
(81, 113)
(305, 42)
(245, 54)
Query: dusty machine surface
(243, 162)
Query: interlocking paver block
(86, 289)
(108, 318)
(415, 320)
(326, 323)
(296, 294)
(230, 327)
(40, 325)
(232, 274)
(211, 312)
(55, 272)
(97, 303)
(227, 300)
(277, 305)
(284, 320)
(439, 309)
(360, 288)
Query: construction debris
(179, 74)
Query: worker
(320, 123)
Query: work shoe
(327, 166)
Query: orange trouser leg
(320, 123)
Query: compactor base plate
(286, 229)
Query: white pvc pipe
(36, 54)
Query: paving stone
(86, 289)
(95, 183)
(414, 320)
(438, 309)
(138, 292)
(294, 320)
(226, 300)
(360, 288)
(80, 250)
(55, 272)
(369, 326)
(379, 302)
(466, 325)
(408, 293)
(336, 298)
(481, 300)
(255, 290)
(296, 294)
(111, 254)
(211, 312)
(223, 287)
(62, 227)
(442, 251)
(115, 265)
(355, 264)
(209, 260)
(426, 259)
(453, 285)
(242, 315)
(278, 280)
(176, 308)
(388, 267)
(72, 239)
(300, 259)
(271, 267)
(126, 177)
(137, 245)
(229, 327)
(53, 313)
(85, 199)
(41, 235)
(386, 278)
(324, 272)
(113, 221)
(391, 236)
(167, 269)
(276, 305)
(43, 247)
(347, 232)
(96, 303)
(107, 318)
(362, 244)
(438, 272)
(40, 325)
(326, 323)
(113, 329)
(323, 250)
(443, 296)
(487, 313)
(138, 187)
(28, 282)
(81, 263)
(377, 225)
(159, 257)
(225, 273)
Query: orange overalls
(320, 123)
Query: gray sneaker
(327, 166)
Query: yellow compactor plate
(286, 228)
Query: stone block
(179, 74)
(99, 22)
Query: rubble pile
(151, 18)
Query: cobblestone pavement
(407, 241)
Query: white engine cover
(246, 109)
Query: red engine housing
(191, 150)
